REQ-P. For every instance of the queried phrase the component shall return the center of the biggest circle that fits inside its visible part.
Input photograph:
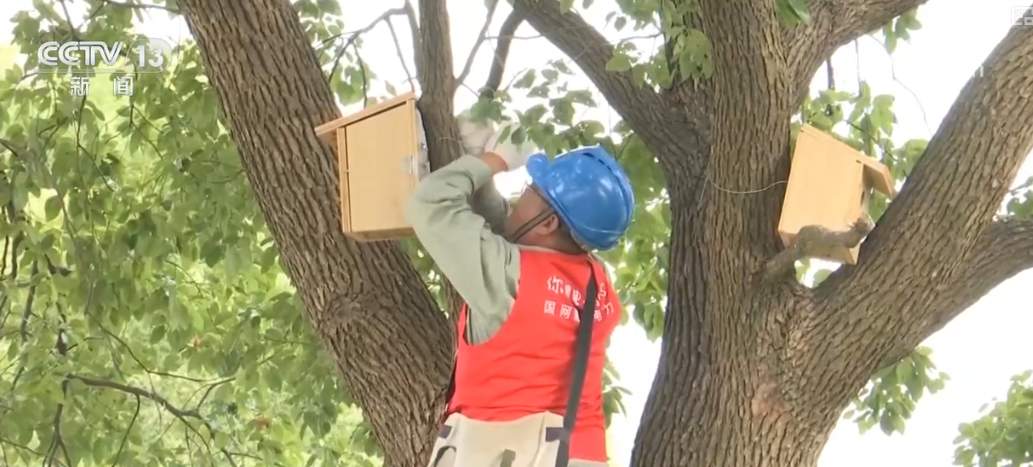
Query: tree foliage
(1004, 434)
(142, 293)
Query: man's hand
(482, 138)
(475, 135)
(496, 163)
(515, 155)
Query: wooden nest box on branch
(381, 156)
(829, 186)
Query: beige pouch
(530, 441)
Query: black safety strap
(530, 224)
(581, 353)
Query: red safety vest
(525, 368)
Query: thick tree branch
(939, 229)
(477, 44)
(1004, 250)
(662, 125)
(747, 151)
(414, 28)
(434, 68)
(271, 104)
(833, 24)
(848, 19)
(498, 63)
(142, 6)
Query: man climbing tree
(530, 354)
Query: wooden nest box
(381, 155)
(829, 186)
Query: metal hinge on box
(421, 160)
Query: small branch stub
(829, 184)
(815, 241)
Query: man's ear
(551, 224)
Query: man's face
(529, 205)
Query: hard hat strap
(530, 224)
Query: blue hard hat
(590, 192)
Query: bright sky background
(980, 350)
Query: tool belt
(529, 441)
(536, 440)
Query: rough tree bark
(752, 373)
(366, 302)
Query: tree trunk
(755, 374)
(366, 302)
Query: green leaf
(561, 66)
(52, 207)
(1002, 434)
(891, 37)
(793, 12)
(534, 114)
(519, 136)
(273, 379)
(904, 371)
(157, 334)
(20, 191)
(563, 109)
(898, 424)
(821, 275)
(882, 113)
(487, 109)
(592, 127)
(220, 440)
(619, 62)
(693, 54)
(800, 9)
(638, 74)
(332, 7)
(910, 20)
(866, 424)
(582, 97)
(196, 318)
(525, 81)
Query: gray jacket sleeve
(482, 265)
